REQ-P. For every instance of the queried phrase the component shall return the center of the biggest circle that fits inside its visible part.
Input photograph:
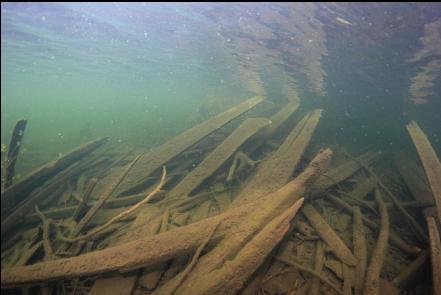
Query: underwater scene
(220, 148)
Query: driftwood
(17, 193)
(435, 254)
(121, 215)
(310, 272)
(409, 272)
(42, 193)
(83, 202)
(275, 171)
(319, 261)
(372, 279)
(165, 246)
(337, 246)
(231, 276)
(101, 200)
(13, 150)
(170, 287)
(430, 161)
(360, 251)
(157, 157)
(217, 157)
(393, 238)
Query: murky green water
(141, 73)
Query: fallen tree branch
(120, 215)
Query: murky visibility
(220, 148)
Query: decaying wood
(171, 286)
(217, 157)
(121, 215)
(319, 261)
(413, 224)
(372, 280)
(46, 224)
(85, 198)
(101, 200)
(230, 277)
(335, 243)
(161, 154)
(435, 254)
(17, 192)
(173, 243)
(393, 238)
(406, 275)
(311, 272)
(13, 150)
(430, 160)
(343, 171)
(360, 251)
(275, 171)
(43, 192)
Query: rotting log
(394, 239)
(13, 150)
(360, 250)
(16, 217)
(101, 200)
(165, 246)
(403, 279)
(430, 160)
(16, 193)
(217, 157)
(335, 243)
(372, 279)
(158, 156)
(275, 171)
(236, 240)
(204, 170)
(319, 261)
(435, 254)
(343, 171)
(234, 273)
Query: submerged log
(13, 195)
(16, 217)
(435, 254)
(13, 150)
(372, 280)
(217, 157)
(360, 251)
(165, 246)
(231, 276)
(338, 247)
(157, 157)
(275, 171)
(430, 161)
